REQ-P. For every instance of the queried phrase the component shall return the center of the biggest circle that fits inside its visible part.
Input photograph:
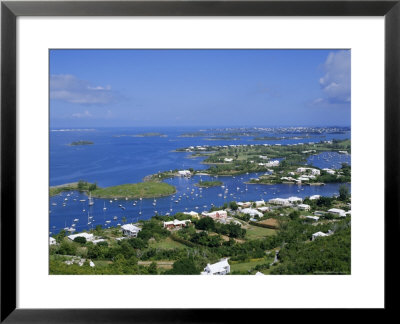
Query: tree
(80, 240)
(81, 184)
(153, 268)
(233, 205)
(60, 236)
(185, 266)
(206, 223)
(98, 230)
(93, 186)
(294, 214)
(343, 193)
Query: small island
(81, 143)
(148, 189)
(150, 134)
(208, 184)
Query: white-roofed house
(184, 173)
(336, 211)
(130, 230)
(87, 236)
(228, 160)
(260, 203)
(329, 171)
(98, 241)
(52, 241)
(192, 213)
(244, 204)
(295, 200)
(216, 215)
(279, 201)
(318, 234)
(176, 224)
(220, 268)
(252, 212)
(315, 172)
(313, 218)
(304, 207)
(315, 197)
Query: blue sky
(100, 88)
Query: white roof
(52, 240)
(177, 222)
(313, 217)
(320, 234)
(341, 212)
(315, 197)
(192, 213)
(291, 199)
(304, 206)
(251, 211)
(98, 241)
(87, 236)
(217, 267)
(130, 228)
(259, 274)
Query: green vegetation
(147, 189)
(327, 255)
(257, 232)
(207, 184)
(81, 143)
(80, 186)
(136, 190)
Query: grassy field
(248, 265)
(166, 244)
(136, 190)
(255, 232)
(161, 264)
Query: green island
(81, 143)
(208, 184)
(147, 189)
(150, 134)
(135, 190)
(249, 245)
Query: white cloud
(336, 82)
(68, 88)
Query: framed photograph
(155, 153)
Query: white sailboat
(91, 202)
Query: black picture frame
(10, 10)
